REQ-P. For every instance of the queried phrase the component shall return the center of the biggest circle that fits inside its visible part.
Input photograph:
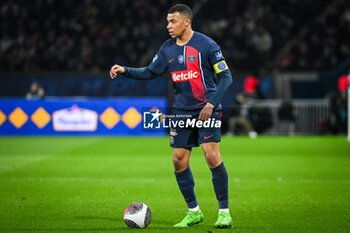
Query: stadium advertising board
(77, 116)
(75, 119)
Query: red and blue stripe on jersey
(192, 75)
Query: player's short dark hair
(182, 9)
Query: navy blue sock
(220, 182)
(186, 184)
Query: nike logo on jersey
(171, 60)
(206, 137)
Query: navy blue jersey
(193, 69)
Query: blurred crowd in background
(91, 35)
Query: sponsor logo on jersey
(155, 58)
(180, 59)
(220, 66)
(191, 58)
(185, 75)
(219, 56)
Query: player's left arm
(224, 81)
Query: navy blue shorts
(188, 137)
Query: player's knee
(180, 161)
(212, 157)
(211, 153)
(178, 158)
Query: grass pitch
(277, 184)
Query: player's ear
(187, 22)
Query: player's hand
(206, 112)
(115, 70)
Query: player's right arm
(129, 72)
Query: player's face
(176, 24)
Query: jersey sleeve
(216, 59)
(158, 64)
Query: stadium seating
(89, 36)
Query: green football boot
(192, 217)
(224, 220)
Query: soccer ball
(137, 215)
